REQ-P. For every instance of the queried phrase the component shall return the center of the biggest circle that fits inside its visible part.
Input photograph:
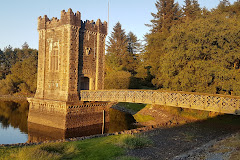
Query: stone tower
(70, 59)
(71, 56)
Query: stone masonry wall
(69, 51)
(62, 115)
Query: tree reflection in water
(14, 114)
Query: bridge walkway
(201, 101)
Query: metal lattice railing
(193, 100)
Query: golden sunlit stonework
(70, 59)
(71, 56)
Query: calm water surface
(14, 127)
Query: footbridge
(201, 101)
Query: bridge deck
(193, 100)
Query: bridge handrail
(194, 100)
(166, 91)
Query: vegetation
(188, 49)
(143, 118)
(18, 70)
(133, 142)
(121, 59)
(117, 80)
(132, 106)
(98, 148)
(194, 49)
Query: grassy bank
(104, 148)
(132, 106)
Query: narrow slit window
(54, 60)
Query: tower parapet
(97, 26)
(66, 18)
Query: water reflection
(38, 133)
(13, 123)
(14, 114)
(120, 121)
(117, 121)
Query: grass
(104, 148)
(143, 118)
(132, 106)
(194, 114)
(133, 142)
(137, 107)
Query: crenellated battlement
(95, 26)
(72, 19)
(66, 18)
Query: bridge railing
(200, 101)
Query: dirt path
(171, 142)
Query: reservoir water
(14, 127)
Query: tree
(133, 50)
(117, 49)
(121, 51)
(121, 59)
(117, 80)
(225, 7)
(19, 70)
(203, 56)
(191, 9)
(168, 14)
(7, 60)
(25, 45)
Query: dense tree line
(18, 70)
(190, 48)
(198, 51)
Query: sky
(18, 18)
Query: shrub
(117, 80)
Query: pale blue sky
(19, 17)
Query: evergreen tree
(121, 51)
(191, 9)
(18, 70)
(133, 44)
(231, 10)
(25, 45)
(121, 59)
(133, 50)
(168, 14)
(117, 49)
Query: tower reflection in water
(90, 123)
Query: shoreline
(15, 98)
